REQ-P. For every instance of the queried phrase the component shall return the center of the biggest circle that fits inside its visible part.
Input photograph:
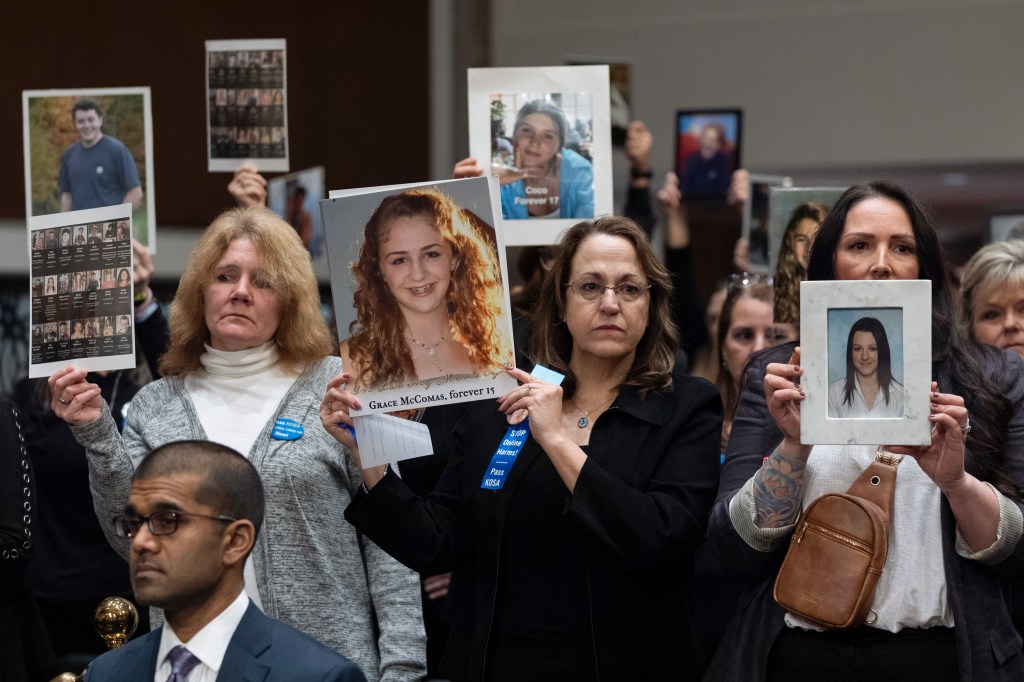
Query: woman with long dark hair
(940, 607)
(868, 388)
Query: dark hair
(230, 484)
(552, 343)
(86, 104)
(877, 330)
(551, 110)
(532, 265)
(958, 364)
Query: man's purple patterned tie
(182, 662)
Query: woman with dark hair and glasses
(941, 607)
(577, 566)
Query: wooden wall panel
(358, 85)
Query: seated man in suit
(193, 514)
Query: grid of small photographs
(247, 104)
(81, 291)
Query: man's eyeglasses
(163, 522)
(627, 292)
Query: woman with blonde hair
(428, 294)
(992, 296)
(247, 360)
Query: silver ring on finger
(966, 427)
(60, 399)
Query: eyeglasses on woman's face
(626, 292)
(163, 522)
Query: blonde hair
(377, 343)
(997, 265)
(302, 336)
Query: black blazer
(641, 502)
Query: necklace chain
(584, 420)
(431, 351)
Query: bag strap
(877, 483)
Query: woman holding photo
(868, 391)
(249, 352)
(576, 569)
(548, 180)
(941, 607)
(428, 294)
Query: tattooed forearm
(778, 490)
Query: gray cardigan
(314, 571)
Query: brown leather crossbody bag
(838, 550)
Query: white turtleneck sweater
(236, 394)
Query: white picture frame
(582, 93)
(827, 311)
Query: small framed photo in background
(707, 151)
(756, 219)
(866, 355)
(1006, 226)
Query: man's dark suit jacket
(261, 650)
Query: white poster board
(246, 104)
(88, 148)
(422, 267)
(81, 291)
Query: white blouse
(858, 406)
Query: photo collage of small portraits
(81, 291)
(246, 90)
